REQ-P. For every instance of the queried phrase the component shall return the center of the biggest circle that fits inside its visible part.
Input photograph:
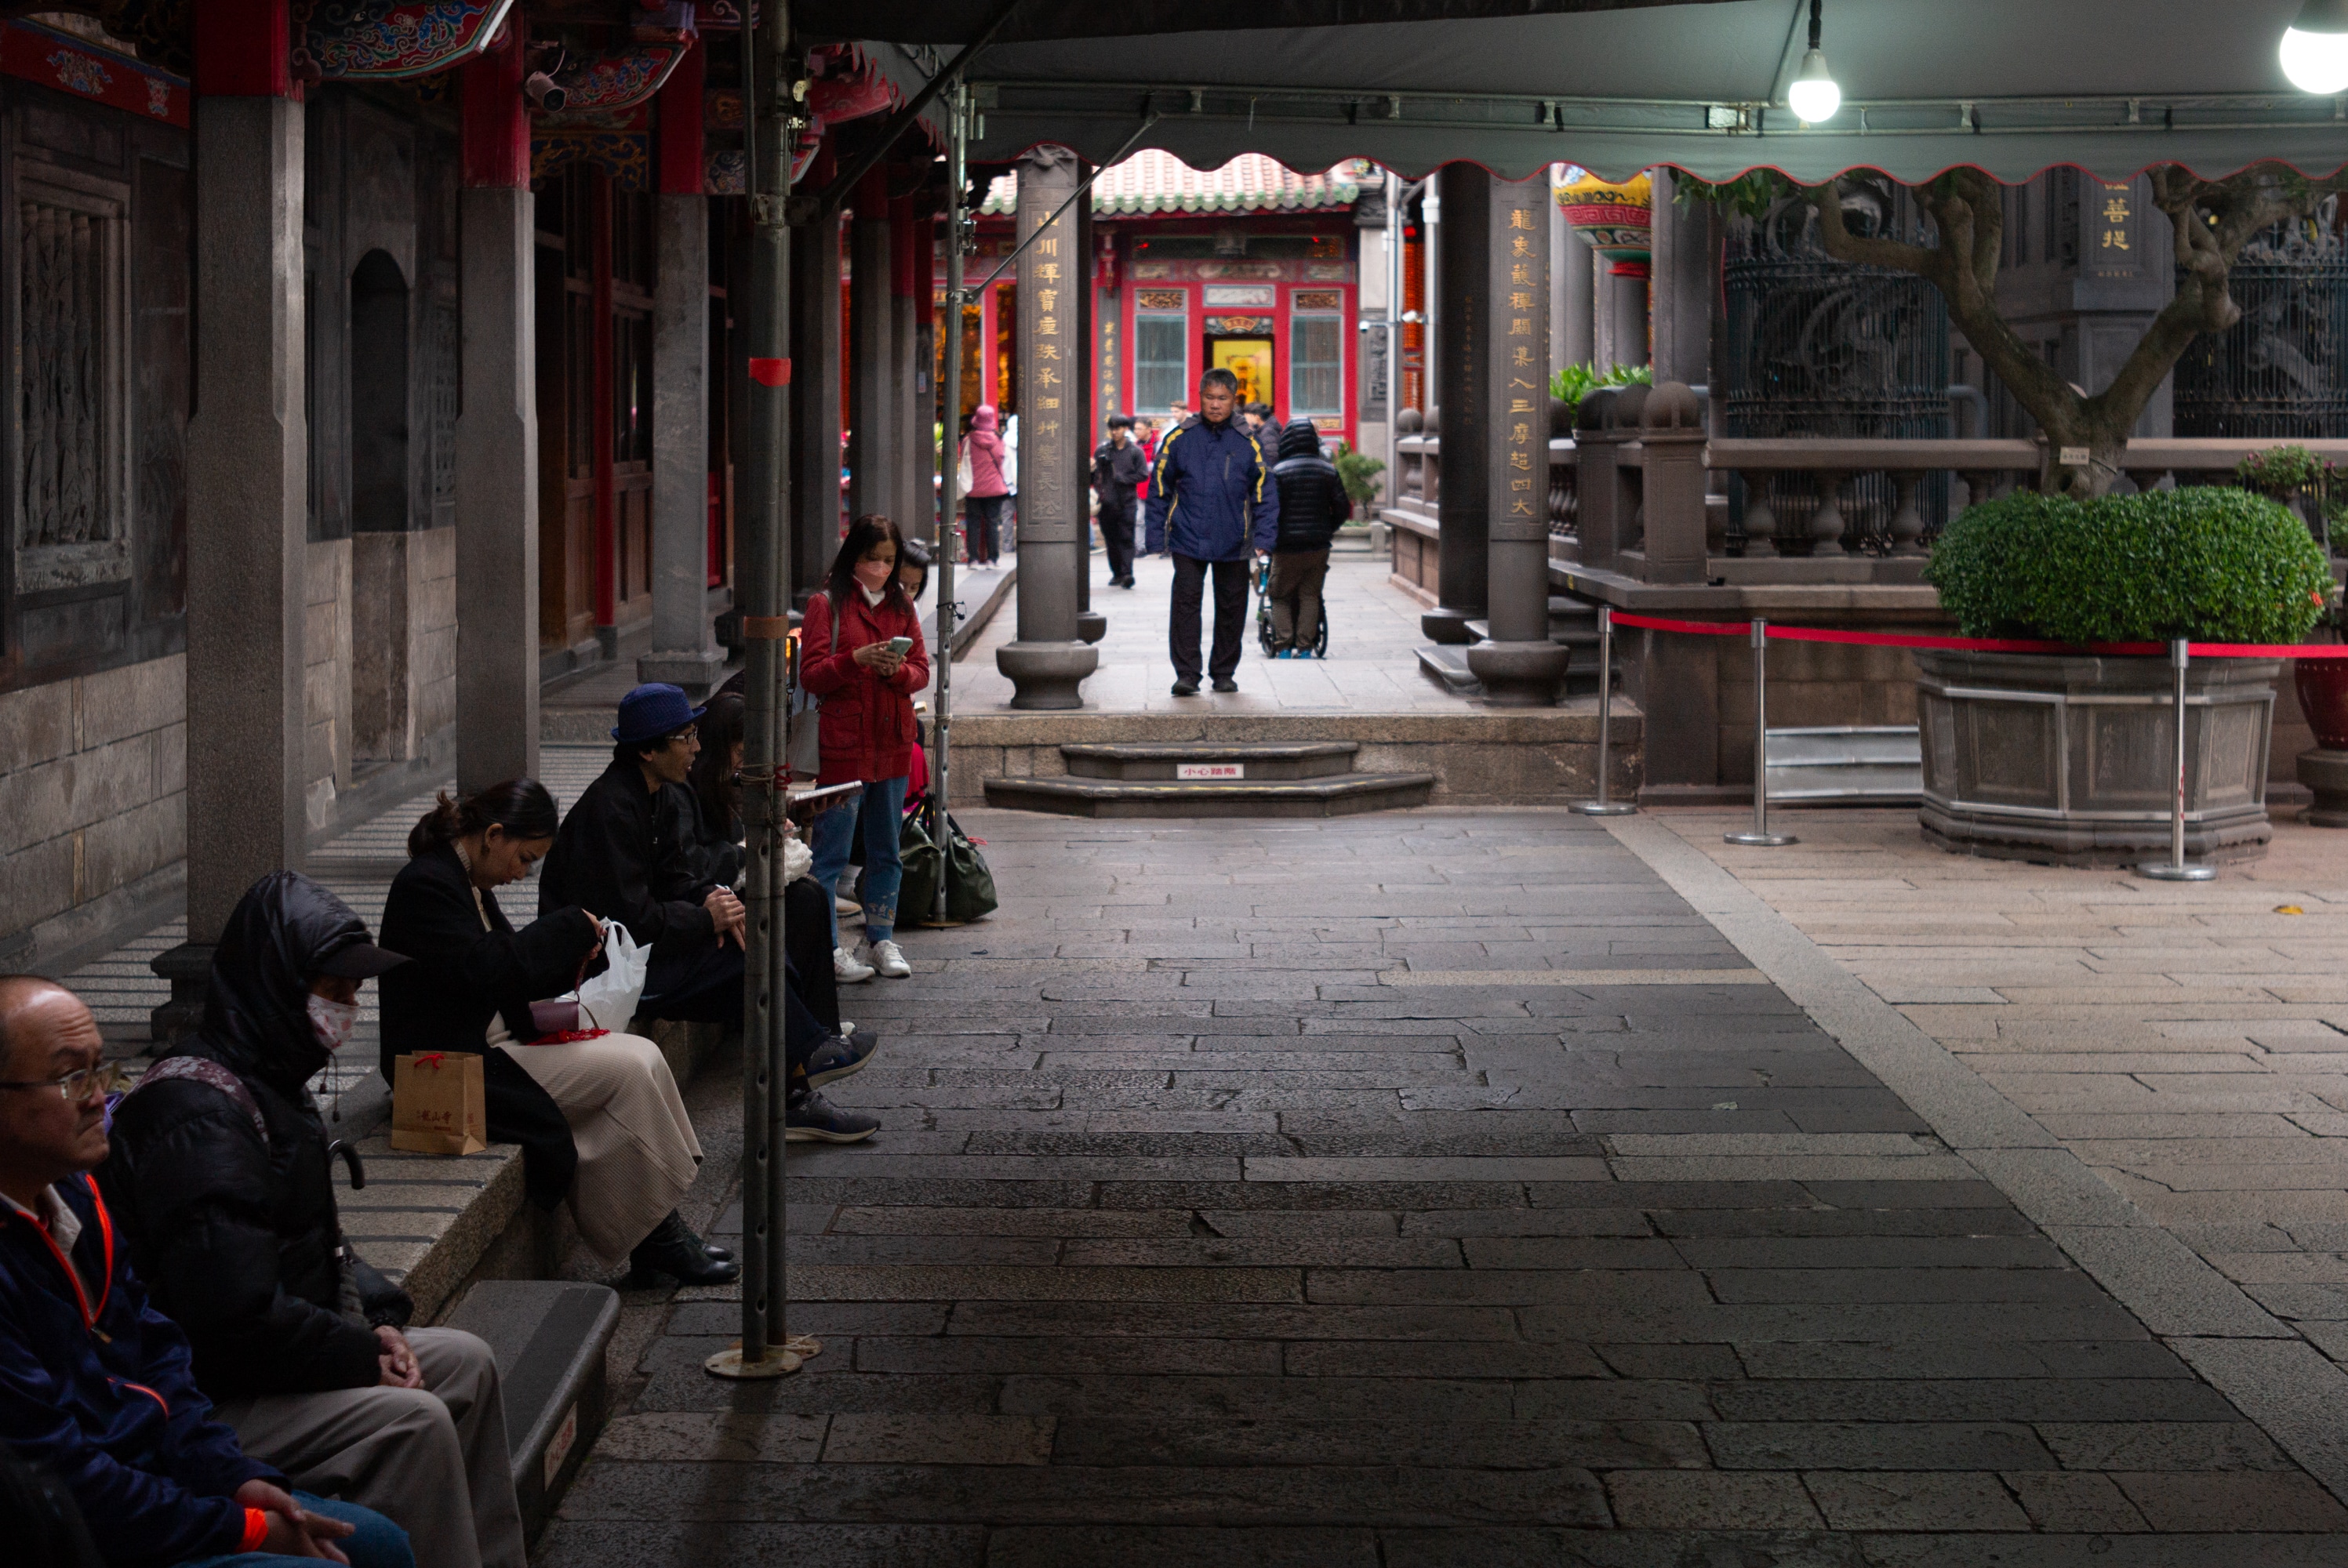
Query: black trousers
(702, 982)
(981, 521)
(1230, 615)
(1117, 532)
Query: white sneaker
(847, 970)
(847, 909)
(889, 960)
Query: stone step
(1168, 764)
(1339, 795)
(549, 1337)
(1447, 663)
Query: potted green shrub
(2070, 756)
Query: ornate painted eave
(613, 80)
(352, 40)
(30, 52)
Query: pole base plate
(1759, 840)
(2162, 871)
(1607, 808)
(729, 1364)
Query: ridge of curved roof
(1155, 181)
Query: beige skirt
(636, 1147)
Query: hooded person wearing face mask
(221, 1180)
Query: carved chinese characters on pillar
(2112, 252)
(1050, 331)
(71, 299)
(1520, 424)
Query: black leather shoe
(722, 1254)
(673, 1249)
(1186, 688)
(1225, 683)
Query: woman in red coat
(866, 685)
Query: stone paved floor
(1372, 668)
(1438, 1188)
(2188, 1043)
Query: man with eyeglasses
(619, 855)
(95, 1384)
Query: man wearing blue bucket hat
(617, 856)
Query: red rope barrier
(1703, 627)
(1986, 644)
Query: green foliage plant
(1358, 472)
(2282, 471)
(1572, 382)
(2216, 565)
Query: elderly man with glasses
(95, 1384)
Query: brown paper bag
(436, 1103)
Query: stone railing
(1639, 490)
(1419, 484)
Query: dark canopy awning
(2012, 86)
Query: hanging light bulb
(1814, 96)
(2314, 49)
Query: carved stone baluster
(1907, 522)
(1760, 522)
(1827, 522)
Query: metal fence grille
(1821, 347)
(2277, 373)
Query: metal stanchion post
(1760, 834)
(2174, 869)
(1603, 806)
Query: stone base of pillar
(1048, 674)
(2325, 772)
(188, 967)
(1091, 625)
(696, 673)
(1519, 674)
(1447, 626)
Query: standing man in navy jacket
(1210, 494)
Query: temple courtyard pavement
(1500, 1186)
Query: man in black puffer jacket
(1313, 505)
(221, 1174)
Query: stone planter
(2071, 759)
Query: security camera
(542, 92)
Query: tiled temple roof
(1159, 183)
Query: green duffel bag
(970, 886)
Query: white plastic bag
(608, 1001)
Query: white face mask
(333, 1020)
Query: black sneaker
(810, 1118)
(837, 1057)
(1186, 688)
(674, 1250)
(1225, 683)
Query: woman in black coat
(599, 1118)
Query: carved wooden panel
(440, 369)
(73, 298)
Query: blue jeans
(835, 835)
(379, 1543)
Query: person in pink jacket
(983, 508)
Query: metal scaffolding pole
(949, 488)
(764, 457)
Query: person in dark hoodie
(1313, 505)
(1119, 469)
(96, 1389)
(222, 1181)
(628, 1151)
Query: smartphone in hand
(901, 646)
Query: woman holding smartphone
(861, 654)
